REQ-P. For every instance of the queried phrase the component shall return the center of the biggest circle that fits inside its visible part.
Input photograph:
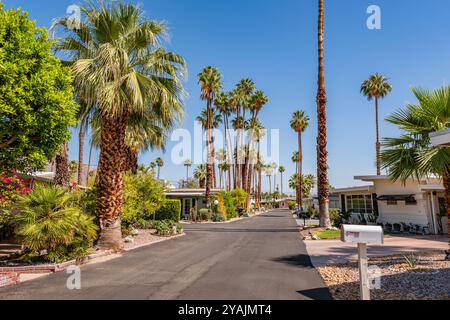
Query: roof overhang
(441, 138)
(396, 197)
(432, 187)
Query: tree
(200, 175)
(376, 87)
(160, 164)
(308, 183)
(299, 123)
(322, 153)
(128, 74)
(210, 84)
(36, 107)
(187, 164)
(282, 170)
(412, 155)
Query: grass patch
(328, 234)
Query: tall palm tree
(210, 83)
(412, 155)
(308, 182)
(152, 167)
(274, 171)
(62, 173)
(160, 164)
(376, 87)
(128, 73)
(299, 123)
(223, 104)
(295, 158)
(281, 170)
(268, 170)
(322, 153)
(187, 164)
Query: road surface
(261, 258)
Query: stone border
(163, 239)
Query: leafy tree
(412, 155)
(35, 95)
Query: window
(360, 203)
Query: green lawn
(328, 234)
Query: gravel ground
(429, 281)
(143, 238)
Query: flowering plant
(11, 187)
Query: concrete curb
(155, 242)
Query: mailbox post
(363, 235)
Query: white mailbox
(362, 234)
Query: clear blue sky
(274, 43)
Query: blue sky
(274, 43)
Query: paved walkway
(324, 252)
(258, 258)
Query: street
(260, 258)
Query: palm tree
(295, 158)
(299, 123)
(412, 155)
(62, 174)
(187, 164)
(223, 104)
(152, 168)
(308, 182)
(160, 164)
(129, 74)
(210, 83)
(281, 170)
(322, 153)
(376, 87)
(274, 172)
(200, 175)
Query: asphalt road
(260, 258)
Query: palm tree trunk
(81, 153)
(282, 184)
(447, 200)
(300, 172)
(159, 172)
(62, 174)
(378, 146)
(322, 154)
(210, 160)
(89, 163)
(110, 177)
(270, 184)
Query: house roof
(441, 138)
(367, 189)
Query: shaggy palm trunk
(110, 182)
(81, 153)
(378, 145)
(447, 201)
(62, 174)
(322, 154)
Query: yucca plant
(49, 222)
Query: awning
(395, 197)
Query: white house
(419, 203)
(441, 138)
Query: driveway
(323, 252)
(257, 258)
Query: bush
(49, 223)
(239, 197)
(205, 214)
(292, 205)
(226, 205)
(335, 217)
(170, 210)
(143, 196)
(167, 228)
(11, 188)
(144, 224)
(218, 217)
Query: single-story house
(190, 198)
(441, 138)
(418, 203)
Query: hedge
(171, 210)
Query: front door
(187, 206)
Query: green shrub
(144, 224)
(170, 210)
(49, 222)
(205, 214)
(167, 228)
(292, 205)
(239, 197)
(143, 196)
(226, 205)
(218, 217)
(335, 217)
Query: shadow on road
(300, 260)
